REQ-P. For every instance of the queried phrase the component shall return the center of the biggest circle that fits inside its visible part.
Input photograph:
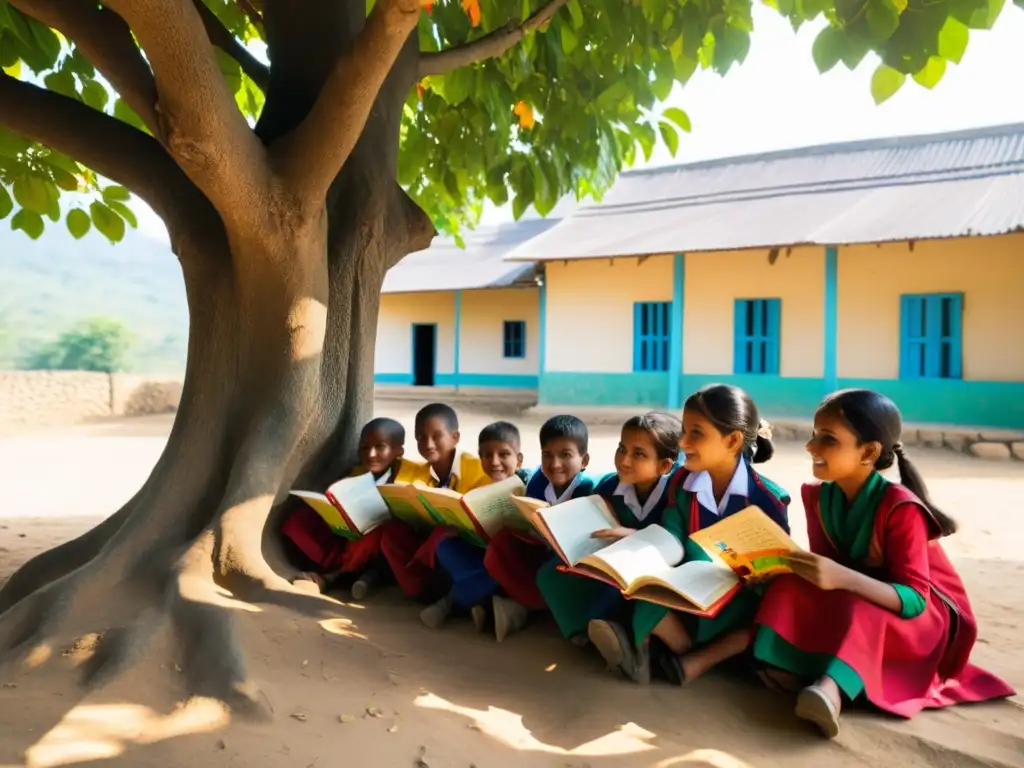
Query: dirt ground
(369, 685)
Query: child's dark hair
(394, 431)
(730, 409)
(874, 418)
(501, 432)
(568, 427)
(664, 429)
(438, 411)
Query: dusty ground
(453, 698)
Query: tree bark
(279, 379)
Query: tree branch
(108, 146)
(310, 156)
(106, 41)
(201, 125)
(487, 47)
(219, 35)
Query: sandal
(815, 706)
(618, 651)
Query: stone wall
(39, 398)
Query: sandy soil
(368, 685)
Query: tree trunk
(279, 379)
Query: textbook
(351, 507)
(476, 515)
(646, 565)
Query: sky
(777, 99)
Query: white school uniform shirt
(628, 493)
(385, 478)
(699, 484)
(453, 477)
(549, 491)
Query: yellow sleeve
(411, 471)
(471, 474)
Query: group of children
(873, 611)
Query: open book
(568, 527)
(646, 565)
(351, 506)
(476, 515)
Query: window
(514, 338)
(651, 335)
(756, 336)
(930, 335)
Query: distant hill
(48, 285)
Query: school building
(895, 264)
(463, 318)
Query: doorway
(424, 354)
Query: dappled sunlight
(508, 729)
(201, 590)
(711, 758)
(102, 731)
(307, 324)
(38, 656)
(342, 628)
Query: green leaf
(34, 193)
(932, 73)
(885, 82)
(29, 222)
(62, 82)
(519, 205)
(63, 179)
(670, 137)
(11, 144)
(576, 13)
(6, 204)
(569, 39)
(124, 212)
(679, 117)
(110, 225)
(953, 38)
(95, 95)
(78, 223)
(883, 19)
(827, 49)
(126, 114)
(46, 40)
(644, 133)
(115, 192)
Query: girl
(875, 609)
(722, 436)
(647, 451)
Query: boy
(513, 560)
(409, 554)
(501, 453)
(381, 452)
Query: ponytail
(911, 479)
(764, 448)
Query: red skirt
(330, 553)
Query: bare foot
(309, 580)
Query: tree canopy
(521, 100)
(95, 344)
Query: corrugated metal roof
(916, 187)
(444, 266)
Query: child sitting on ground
(636, 492)
(408, 552)
(381, 452)
(512, 558)
(472, 586)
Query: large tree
(288, 189)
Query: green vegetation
(49, 285)
(95, 344)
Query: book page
(403, 502)
(492, 504)
(446, 507)
(360, 500)
(569, 526)
(749, 542)
(523, 517)
(320, 504)
(701, 582)
(649, 551)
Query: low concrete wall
(31, 398)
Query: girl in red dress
(875, 610)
